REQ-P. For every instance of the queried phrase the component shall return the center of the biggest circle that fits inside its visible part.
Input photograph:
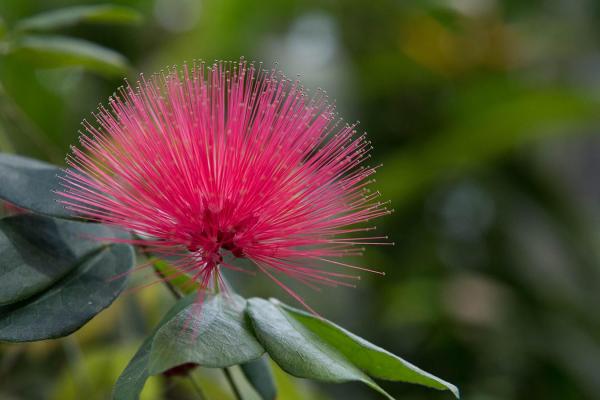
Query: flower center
(214, 238)
(210, 246)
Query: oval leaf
(66, 17)
(260, 376)
(70, 302)
(214, 334)
(28, 183)
(36, 251)
(132, 380)
(298, 351)
(373, 360)
(59, 51)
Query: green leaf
(260, 376)
(181, 281)
(72, 301)
(29, 183)
(36, 251)
(60, 51)
(213, 334)
(132, 380)
(371, 359)
(218, 336)
(70, 16)
(310, 347)
(298, 351)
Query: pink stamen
(228, 158)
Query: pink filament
(230, 157)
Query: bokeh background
(485, 115)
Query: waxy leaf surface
(311, 347)
(298, 351)
(214, 334)
(36, 251)
(72, 301)
(28, 183)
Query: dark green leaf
(59, 51)
(214, 334)
(300, 352)
(66, 17)
(371, 359)
(132, 380)
(36, 251)
(260, 376)
(29, 183)
(72, 301)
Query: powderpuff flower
(209, 163)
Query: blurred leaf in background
(485, 116)
(33, 42)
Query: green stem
(234, 388)
(216, 280)
(197, 387)
(166, 282)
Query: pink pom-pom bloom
(232, 158)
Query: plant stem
(162, 276)
(234, 388)
(167, 283)
(197, 387)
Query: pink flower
(230, 158)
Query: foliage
(57, 51)
(45, 298)
(484, 114)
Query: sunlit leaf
(59, 51)
(66, 17)
(71, 301)
(28, 183)
(36, 251)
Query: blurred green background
(485, 115)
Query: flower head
(228, 159)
